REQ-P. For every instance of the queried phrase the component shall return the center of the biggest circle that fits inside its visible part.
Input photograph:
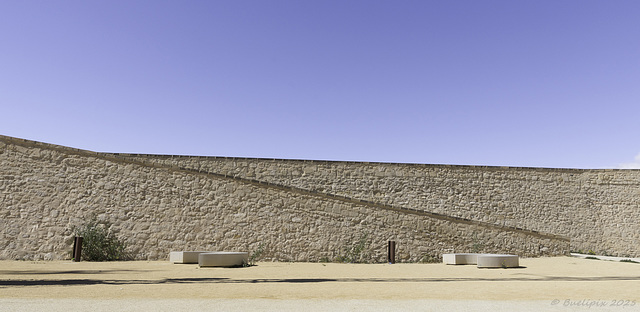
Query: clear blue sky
(506, 83)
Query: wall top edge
(8, 139)
(369, 162)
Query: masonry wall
(159, 204)
(597, 209)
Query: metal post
(73, 251)
(77, 249)
(391, 252)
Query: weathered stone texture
(581, 204)
(160, 204)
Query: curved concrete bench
(184, 256)
(223, 259)
(498, 261)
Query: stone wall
(307, 210)
(597, 209)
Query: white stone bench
(460, 258)
(498, 261)
(184, 256)
(223, 259)
(482, 260)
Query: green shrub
(430, 259)
(324, 260)
(629, 260)
(356, 252)
(255, 256)
(99, 244)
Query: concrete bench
(482, 260)
(223, 259)
(460, 258)
(184, 256)
(498, 261)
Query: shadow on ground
(72, 282)
(31, 272)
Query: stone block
(460, 258)
(482, 260)
(184, 256)
(498, 261)
(223, 259)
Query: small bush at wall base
(430, 259)
(99, 244)
(254, 256)
(629, 260)
(356, 252)
(583, 252)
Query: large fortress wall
(46, 190)
(161, 203)
(597, 209)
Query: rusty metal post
(73, 250)
(391, 252)
(77, 249)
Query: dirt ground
(562, 283)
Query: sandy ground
(553, 284)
